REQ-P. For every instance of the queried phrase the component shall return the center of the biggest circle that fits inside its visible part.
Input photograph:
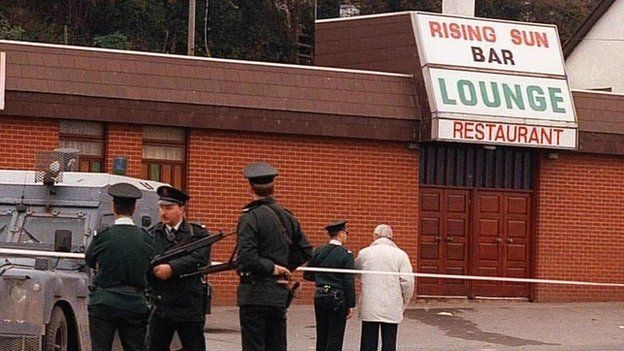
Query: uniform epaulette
(199, 224)
(100, 230)
(252, 207)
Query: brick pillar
(579, 226)
(125, 140)
(22, 137)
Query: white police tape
(39, 253)
(458, 276)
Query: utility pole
(191, 29)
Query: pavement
(460, 325)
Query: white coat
(384, 297)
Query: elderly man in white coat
(384, 298)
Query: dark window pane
(155, 172)
(96, 166)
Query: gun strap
(321, 261)
(281, 223)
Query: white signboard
(2, 78)
(488, 95)
(495, 82)
(505, 133)
(489, 44)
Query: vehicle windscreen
(39, 229)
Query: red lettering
(434, 27)
(458, 130)
(455, 33)
(500, 133)
(557, 138)
(541, 39)
(490, 130)
(529, 38)
(469, 129)
(522, 134)
(489, 34)
(516, 38)
(479, 131)
(534, 138)
(511, 128)
(466, 32)
(546, 136)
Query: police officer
(121, 254)
(178, 301)
(270, 245)
(335, 293)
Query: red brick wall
(320, 180)
(22, 138)
(580, 226)
(125, 140)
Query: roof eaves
(587, 25)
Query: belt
(326, 289)
(123, 289)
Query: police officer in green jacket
(179, 301)
(121, 255)
(335, 292)
(271, 245)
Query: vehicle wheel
(56, 332)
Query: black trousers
(263, 328)
(105, 320)
(161, 332)
(331, 320)
(370, 336)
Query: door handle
(437, 239)
(498, 240)
(449, 239)
(510, 241)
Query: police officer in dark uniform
(271, 244)
(179, 302)
(335, 292)
(121, 255)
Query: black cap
(260, 173)
(171, 196)
(124, 191)
(336, 226)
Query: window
(88, 138)
(164, 155)
(40, 228)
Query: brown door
(444, 233)
(501, 241)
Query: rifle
(187, 249)
(215, 268)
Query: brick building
(349, 143)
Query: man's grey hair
(383, 231)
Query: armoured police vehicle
(47, 219)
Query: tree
(265, 30)
(11, 32)
(113, 41)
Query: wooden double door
(474, 232)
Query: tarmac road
(460, 325)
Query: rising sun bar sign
(495, 82)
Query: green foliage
(112, 41)
(11, 32)
(265, 30)
(381, 6)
